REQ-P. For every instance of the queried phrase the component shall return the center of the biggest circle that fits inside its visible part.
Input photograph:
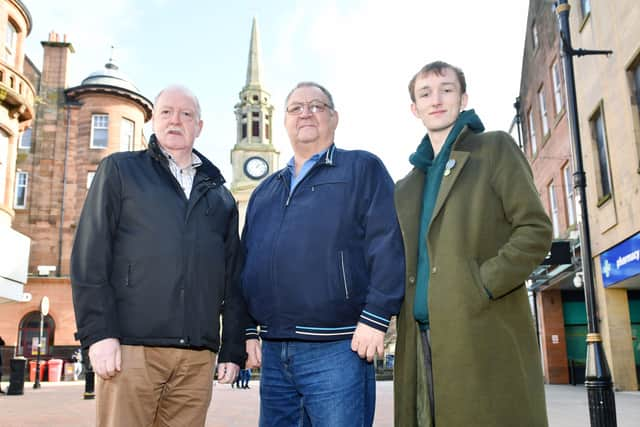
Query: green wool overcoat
(487, 234)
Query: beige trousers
(159, 387)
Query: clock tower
(253, 157)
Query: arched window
(28, 335)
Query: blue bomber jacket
(326, 256)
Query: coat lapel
(448, 182)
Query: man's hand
(254, 354)
(105, 357)
(367, 341)
(228, 372)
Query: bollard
(89, 376)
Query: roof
(110, 75)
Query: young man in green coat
(473, 229)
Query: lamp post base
(602, 405)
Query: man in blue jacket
(323, 274)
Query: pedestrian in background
(2, 344)
(246, 377)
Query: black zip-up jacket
(151, 267)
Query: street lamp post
(44, 310)
(602, 406)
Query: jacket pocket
(127, 279)
(486, 288)
(343, 273)
(474, 269)
(122, 275)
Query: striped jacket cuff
(374, 320)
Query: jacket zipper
(128, 281)
(344, 275)
(290, 194)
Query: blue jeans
(315, 384)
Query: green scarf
(433, 169)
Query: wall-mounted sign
(621, 261)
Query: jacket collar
(210, 171)
(328, 159)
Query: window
(90, 176)
(127, 128)
(4, 155)
(636, 84)
(557, 89)
(244, 126)
(568, 194)
(25, 139)
(28, 335)
(11, 40)
(22, 181)
(532, 134)
(543, 112)
(255, 124)
(534, 36)
(585, 8)
(553, 206)
(99, 131)
(600, 139)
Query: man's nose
(306, 111)
(175, 117)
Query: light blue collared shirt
(304, 170)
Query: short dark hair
(437, 67)
(312, 84)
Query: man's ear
(414, 110)
(200, 123)
(463, 101)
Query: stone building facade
(17, 98)
(608, 94)
(72, 130)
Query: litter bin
(32, 370)
(69, 369)
(55, 370)
(16, 379)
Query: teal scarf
(433, 169)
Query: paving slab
(61, 404)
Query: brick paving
(61, 405)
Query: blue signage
(621, 261)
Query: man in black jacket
(155, 259)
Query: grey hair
(185, 91)
(312, 84)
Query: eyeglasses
(314, 107)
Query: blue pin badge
(450, 165)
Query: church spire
(253, 68)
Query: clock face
(256, 167)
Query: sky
(363, 51)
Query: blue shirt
(304, 170)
